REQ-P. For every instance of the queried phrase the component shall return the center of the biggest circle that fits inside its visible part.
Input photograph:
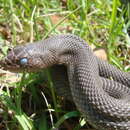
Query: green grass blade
(65, 117)
(61, 21)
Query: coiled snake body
(100, 91)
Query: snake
(99, 90)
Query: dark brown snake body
(99, 90)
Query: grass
(31, 102)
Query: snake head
(35, 56)
(12, 61)
(29, 58)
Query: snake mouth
(7, 64)
(13, 66)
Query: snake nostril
(9, 50)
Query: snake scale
(99, 90)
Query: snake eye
(23, 61)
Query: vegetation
(28, 101)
